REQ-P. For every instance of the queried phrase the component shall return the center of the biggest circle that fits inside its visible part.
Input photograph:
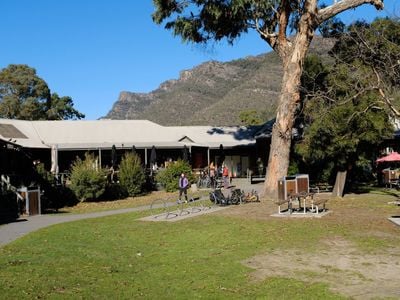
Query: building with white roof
(76, 137)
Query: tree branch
(270, 38)
(383, 95)
(338, 7)
(357, 113)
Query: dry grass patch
(362, 262)
(337, 263)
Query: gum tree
(200, 21)
(26, 96)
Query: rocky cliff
(212, 93)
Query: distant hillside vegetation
(212, 93)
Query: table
(301, 197)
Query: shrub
(87, 180)
(54, 196)
(8, 206)
(43, 174)
(169, 176)
(131, 174)
(114, 191)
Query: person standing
(183, 186)
(260, 166)
(212, 174)
(225, 176)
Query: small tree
(348, 104)
(131, 174)
(26, 96)
(169, 177)
(250, 117)
(87, 180)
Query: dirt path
(336, 260)
(339, 265)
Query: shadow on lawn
(367, 189)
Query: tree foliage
(345, 112)
(250, 117)
(26, 96)
(375, 47)
(200, 21)
(62, 108)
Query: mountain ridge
(212, 93)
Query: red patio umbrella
(392, 157)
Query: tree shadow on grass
(371, 189)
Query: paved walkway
(12, 231)
(395, 220)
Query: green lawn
(121, 257)
(144, 200)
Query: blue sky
(92, 50)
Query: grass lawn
(144, 200)
(202, 257)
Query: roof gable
(186, 139)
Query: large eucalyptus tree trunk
(293, 54)
(289, 99)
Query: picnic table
(301, 203)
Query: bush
(54, 196)
(114, 191)
(8, 206)
(131, 174)
(169, 177)
(87, 180)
